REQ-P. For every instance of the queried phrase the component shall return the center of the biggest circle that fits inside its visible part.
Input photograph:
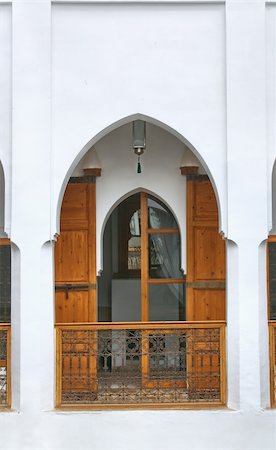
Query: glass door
(162, 295)
(162, 288)
(142, 282)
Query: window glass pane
(126, 300)
(119, 286)
(5, 283)
(164, 256)
(134, 243)
(166, 302)
(272, 279)
(159, 215)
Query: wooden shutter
(205, 284)
(75, 256)
(205, 254)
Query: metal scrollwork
(3, 367)
(140, 366)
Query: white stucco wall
(271, 110)
(175, 80)
(2, 202)
(206, 73)
(5, 109)
(160, 176)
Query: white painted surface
(271, 109)
(187, 67)
(30, 186)
(113, 61)
(5, 105)
(160, 176)
(2, 202)
(247, 198)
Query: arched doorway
(271, 293)
(141, 280)
(5, 303)
(143, 332)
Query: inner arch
(134, 250)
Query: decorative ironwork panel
(3, 367)
(274, 366)
(272, 327)
(274, 378)
(137, 365)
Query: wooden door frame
(146, 231)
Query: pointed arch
(123, 121)
(129, 194)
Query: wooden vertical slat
(144, 258)
(145, 358)
(206, 265)
(75, 267)
(223, 379)
(190, 231)
(9, 393)
(272, 331)
(92, 252)
(5, 242)
(144, 284)
(190, 249)
(205, 294)
(75, 255)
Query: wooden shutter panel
(75, 256)
(206, 266)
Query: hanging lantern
(139, 140)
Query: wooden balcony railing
(5, 365)
(145, 364)
(272, 357)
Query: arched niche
(107, 133)
(133, 251)
(5, 302)
(166, 151)
(112, 164)
(100, 186)
(271, 254)
(267, 252)
(152, 194)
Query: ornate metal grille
(272, 333)
(274, 378)
(139, 365)
(3, 367)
